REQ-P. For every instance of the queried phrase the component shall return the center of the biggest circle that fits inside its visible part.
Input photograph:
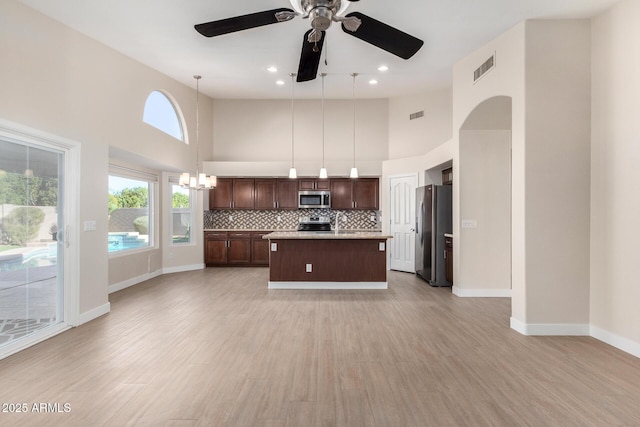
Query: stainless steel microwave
(311, 199)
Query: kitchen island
(327, 260)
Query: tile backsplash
(287, 219)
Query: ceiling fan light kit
(321, 14)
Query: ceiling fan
(321, 14)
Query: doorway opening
(33, 240)
(485, 201)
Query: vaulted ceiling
(160, 34)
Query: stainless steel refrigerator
(433, 220)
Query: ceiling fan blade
(309, 58)
(384, 36)
(239, 23)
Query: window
(181, 213)
(131, 219)
(162, 114)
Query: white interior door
(402, 196)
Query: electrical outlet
(279, 218)
(230, 217)
(309, 268)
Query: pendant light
(323, 171)
(200, 181)
(354, 170)
(292, 172)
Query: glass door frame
(20, 134)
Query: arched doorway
(484, 240)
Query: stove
(314, 223)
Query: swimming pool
(124, 241)
(19, 258)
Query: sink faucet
(337, 228)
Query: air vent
(417, 115)
(484, 68)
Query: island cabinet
(272, 193)
(227, 248)
(361, 193)
(314, 184)
(308, 260)
(232, 193)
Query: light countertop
(324, 235)
(247, 229)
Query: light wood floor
(215, 347)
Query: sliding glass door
(31, 240)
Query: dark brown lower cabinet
(235, 248)
(259, 249)
(239, 248)
(215, 248)
(448, 253)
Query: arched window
(163, 115)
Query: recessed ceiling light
(373, 82)
(280, 82)
(383, 68)
(272, 69)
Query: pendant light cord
(197, 120)
(323, 75)
(293, 75)
(354, 117)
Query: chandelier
(199, 181)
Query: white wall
(544, 67)
(506, 79)
(615, 175)
(417, 137)
(260, 131)
(558, 114)
(58, 81)
(485, 197)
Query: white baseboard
(183, 268)
(556, 329)
(94, 313)
(133, 281)
(617, 341)
(481, 293)
(328, 285)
